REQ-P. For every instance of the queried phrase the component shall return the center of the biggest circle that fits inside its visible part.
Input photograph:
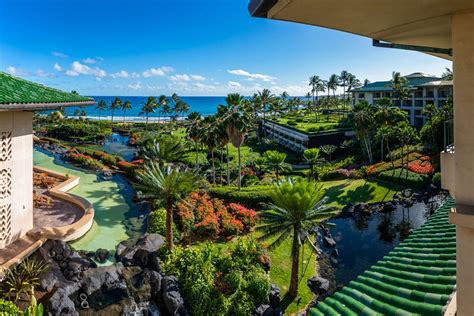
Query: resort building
(18, 234)
(424, 89)
(442, 28)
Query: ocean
(203, 105)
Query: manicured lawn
(309, 123)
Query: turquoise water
(116, 218)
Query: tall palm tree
(343, 78)
(362, 119)
(447, 75)
(209, 134)
(238, 124)
(332, 85)
(297, 206)
(193, 125)
(101, 106)
(147, 108)
(399, 85)
(169, 185)
(366, 82)
(127, 105)
(162, 101)
(353, 82)
(314, 81)
(116, 104)
(265, 99)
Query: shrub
(252, 196)
(157, 224)
(437, 178)
(128, 167)
(405, 177)
(9, 308)
(86, 161)
(249, 179)
(292, 123)
(22, 279)
(421, 166)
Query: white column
(463, 65)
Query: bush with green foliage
(157, 224)
(252, 196)
(22, 279)
(221, 283)
(437, 178)
(79, 131)
(405, 177)
(9, 308)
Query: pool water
(118, 144)
(117, 217)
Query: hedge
(252, 196)
(405, 177)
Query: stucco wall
(16, 175)
(447, 172)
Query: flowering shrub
(86, 161)
(421, 166)
(127, 167)
(200, 214)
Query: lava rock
(172, 298)
(60, 304)
(348, 210)
(329, 242)
(335, 253)
(107, 276)
(274, 296)
(149, 243)
(101, 255)
(359, 207)
(264, 310)
(318, 285)
(140, 258)
(154, 262)
(389, 206)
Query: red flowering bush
(204, 216)
(421, 166)
(86, 161)
(127, 167)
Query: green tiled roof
(380, 86)
(23, 94)
(416, 278)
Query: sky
(191, 47)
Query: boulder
(154, 262)
(329, 241)
(264, 310)
(108, 276)
(147, 244)
(318, 285)
(60, 304)
(389, 206)
(172, 298)
(274, 296)
(101, 255)
(359, 207)
(348, 210)
(335, 253)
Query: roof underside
(20, 94)
(421, 22)
(416, 278)
(413, 83)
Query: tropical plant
(192, 128)
(147, 108)
(343, 79)
(328, 150)
(276, 161)
(116, 104)
(22, 279)
(209, 135)
(164, 150)
(9, 308)
(362, 120)
(447, 75)
(264, 99)
(162, 103)
(311, 156)
(168, 186)
(297, 206)
(127, 105)
(399, 85)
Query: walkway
(417, 277)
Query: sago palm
(164, 150)
(276, 162)
(169, 186)
(311, 156)
(297, 206)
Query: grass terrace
(311, 124)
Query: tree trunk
(239, 183)
(113, 115)
(213, 168)
(221, 180)
(197, 156)
(99, 114)
(381, 149)
(295, 265)
(169, 224)
(146, 123)
(228, 170)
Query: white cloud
(234, 84)
(135, 86)
(58, 67)
(157, 72)
(250, 76)
(60, 55)
(186, 77)
(42, 73)
(120, 74)
(80, 69)
(135, 75)
(94, 60)
(17, 71)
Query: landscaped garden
(238, 223)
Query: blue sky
(205, 47)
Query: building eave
(41, 106)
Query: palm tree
(343, 78)
(297, 206)
(209, 134)
(332, 85)
(162, 101)
(127, 105)
(147, 108)
(311, 156)
(276, 162)
(328, 150)
(352, 82)
(399, 85)
(362, 120)
(447, 75)
(164, 150)
(314, 82)
(238, 124)
(101, 106)
(117, 103)
(169, 185)
(366, 82)
(194, 120)
(265, 97)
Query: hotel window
(377, 95)
(419, 121)
(418, 102)
(419, 94)
(361, 95)
(386, 94)
(407, 103)
(429, 94)
(417, 112)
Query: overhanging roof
(409, 22)
(19, 94)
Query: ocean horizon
(203, 104)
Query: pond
(117, 217)
(118, 144)
(362, 240)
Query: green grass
(310, 123)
